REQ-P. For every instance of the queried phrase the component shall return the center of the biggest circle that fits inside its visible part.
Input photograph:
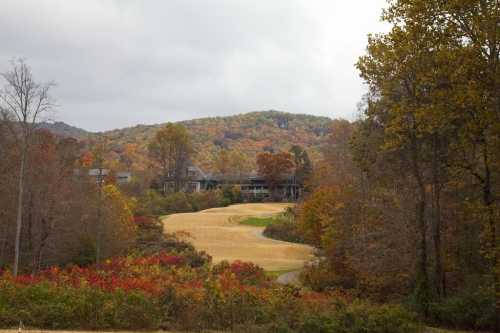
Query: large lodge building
(253, 187)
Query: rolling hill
(250, 133)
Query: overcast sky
(120, 63)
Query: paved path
(289, 278)
(215, 232)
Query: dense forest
(408, 204)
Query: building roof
(97, 172)
(123, 174)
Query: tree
(50, 191)
(303, 165)
(23, 102)
(239, 164)
(231, 164)
(222, 163)
(171, 148)
(118, 228)
(274, 168)
(434, 94)
(98, 159)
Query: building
(253, 187)
(121, 177)
(256, 188)
(195, 181)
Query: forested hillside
(249, 133)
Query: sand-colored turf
(216, 232)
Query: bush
(205, 200)
(47, 306)
(469, 310)
(232, 194)
(177, 203)
(284, 227)
(362, 317)
(151, 239)
(319, 277)
(246, 272)
(152, 203)
(161, 292)
(86, 253)
(318, 313)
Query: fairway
(215, 232)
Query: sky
(120, 63)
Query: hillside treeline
(248, 134)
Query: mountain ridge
(250, 133)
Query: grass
(276, 274)
(258, 221)
(219, 233)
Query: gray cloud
(122, 62)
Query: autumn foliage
(275, 168)
(163, 291)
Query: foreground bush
(361, 318)
(469, 310)
(44, 305)
(164, 291)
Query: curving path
(215, 232)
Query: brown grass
(215, 232)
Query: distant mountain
(250, 133)
(65, 130)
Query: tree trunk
(99, 221)
(19, 219)
(422, 286)
(494, 262)
(37, 257)
(438, 265)
(436, 216)
(488, 202)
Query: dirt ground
(216, 232)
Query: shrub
(177, 203)
(469, 310)
(162, 290)
(361, 317)
(151, 240)
(205, 200)
(319, 277)
(246, 272)
(319, 313)
(162, 293)
(152, 203)
(284, 227)
(232, 194)
(86, 253)
(47, 306)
